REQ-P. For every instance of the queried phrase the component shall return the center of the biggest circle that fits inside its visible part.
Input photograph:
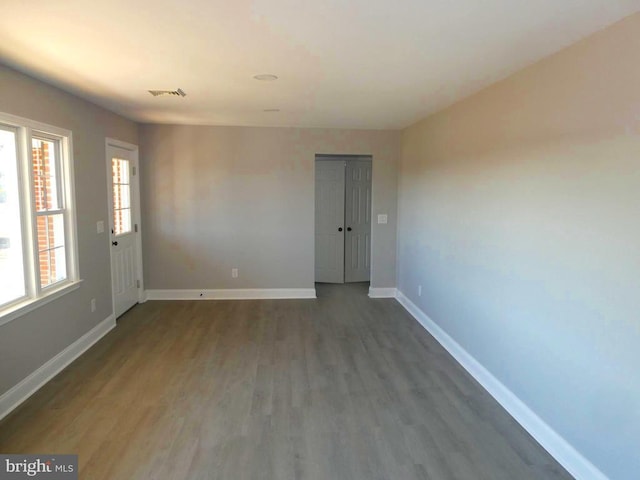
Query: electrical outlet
(234, 273)
(419, 290)
(93, 304)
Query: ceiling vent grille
(174, 93)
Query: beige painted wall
(520, 217)
(215, 198)
(29, 341)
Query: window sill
(15, 311)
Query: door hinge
(135, 228)
(138, 283)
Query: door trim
(346, 157)
(135, 218)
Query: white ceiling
(342, 63)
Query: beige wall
(520, 217)
(215, 198)
(29, 341)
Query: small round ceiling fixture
(265, 77)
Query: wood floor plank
(341, 387)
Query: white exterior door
(123, 191)
(357, 262)
(329, 248)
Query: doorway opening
(343, 218)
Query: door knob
(339, 229)
(348, 229)
(115, 244)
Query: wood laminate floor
(342, 387)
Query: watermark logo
(50, 467)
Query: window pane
(51, 248)
(44, 174)
(121, 195)
(58, 264)
(12, 285)
(56, 230)
(43, 261)
(43, 233)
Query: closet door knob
(339, 229)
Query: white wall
(519, 216)
(217, 198)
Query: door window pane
(12, 284)
(121, 194)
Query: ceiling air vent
(175, 93)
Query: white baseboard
(382, 292)
(572, 460)
(27, 387)
(232, 294)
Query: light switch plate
(382, 218)
(100, 226)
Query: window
(12, 285)
(37, 221)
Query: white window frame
(35, 295)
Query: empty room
(320, 240)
